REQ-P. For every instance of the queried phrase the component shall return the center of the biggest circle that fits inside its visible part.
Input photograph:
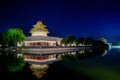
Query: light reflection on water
(97, 65)
(40, 63)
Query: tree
(81, 40)
(3, 39)
(68, 40)
(100, 45)
(15, 36)
(88, 41)
(103, 40)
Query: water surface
(88, 65)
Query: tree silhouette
(68, 40)
(3, 39)
(81, 40)
(88, 41)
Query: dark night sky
(95, 18)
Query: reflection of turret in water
(39, 69)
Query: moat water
(79, 65)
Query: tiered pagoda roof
(39, 27)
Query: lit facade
(39, 36)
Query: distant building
(39, 36)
